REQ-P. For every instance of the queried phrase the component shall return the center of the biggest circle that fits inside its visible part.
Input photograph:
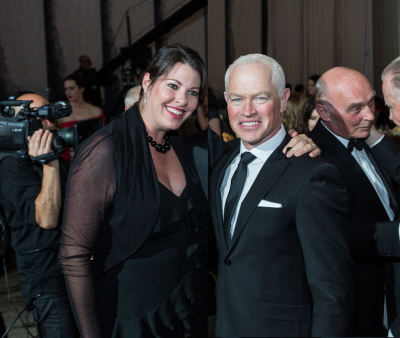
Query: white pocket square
(269, 204)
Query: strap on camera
(46, 158)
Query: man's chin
(363, 133)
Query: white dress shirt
(262, 153)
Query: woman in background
(294, 107)
(309, 117)
(81, 110)
(311, 82)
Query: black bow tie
(357, 143)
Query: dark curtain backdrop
(311, 36)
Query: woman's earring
(144, 97)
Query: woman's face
(313, 120)
(72, 91)
(171, 100)
(311, 87)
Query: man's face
(351, 104)
(391, 96)
(254, 107)
(84, 63)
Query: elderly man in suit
(387, 154)
(345, 103)
(285, 266)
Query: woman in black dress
(134, 242)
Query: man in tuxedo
(281, 224)
(387, 154)
(345, 103)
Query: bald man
(132, 96)
(345, 103)
(31, 195)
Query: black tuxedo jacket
(373, 236)
(387, 154)
(288, 271)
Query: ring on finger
(314, 146)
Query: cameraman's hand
(40, 143)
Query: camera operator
(32, 196)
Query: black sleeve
(20, 185)
(371, 240)
(213, 114)
(387, 154)
(90, 190)
(323, 225)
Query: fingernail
(297, 154)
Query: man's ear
(226, 97)
(323, 112)
(284, 97)
(146, 82)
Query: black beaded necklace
(159, 147)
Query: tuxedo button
(227, 261)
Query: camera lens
(67, 135)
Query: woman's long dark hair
(309, 106)
(79, 80)
(167, 57)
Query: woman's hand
(300, 145)
(374, 136)
(71, 152)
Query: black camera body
(14, 131)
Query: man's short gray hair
(132, 95)
(393, 69)
(278, 76)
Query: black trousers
(53, 316)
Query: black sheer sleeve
(90, 191)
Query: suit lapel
(216, 182)
(385, 180)
(266, 179)
(337, 154)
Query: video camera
(14, 130)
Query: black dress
(145, 246)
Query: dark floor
(6, 310)
(211, 326)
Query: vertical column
(157, 20)
(106, 51)
(54, 59)
(264, 26)
(216, 46)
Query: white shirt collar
(265, 149)
(341, 139)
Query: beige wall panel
(295, 39)
(246, 26)
(350, 38)
(216, 46)
(79, 32)
(168, 7)
(190, 33)
(285, 36)
(141, 21)
(318, 39)
(22, 46)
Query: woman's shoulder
(93, 110)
